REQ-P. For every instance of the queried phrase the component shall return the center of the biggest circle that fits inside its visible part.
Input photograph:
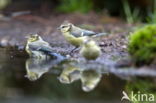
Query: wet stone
(4, 42)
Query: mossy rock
(142, 45)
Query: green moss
(142, 45)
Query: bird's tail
(98, 36)
(101, 34)
(57, 56)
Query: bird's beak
(27, 36)
(59, 28)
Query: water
(26, 80)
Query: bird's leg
(74, 49)
(46, 57)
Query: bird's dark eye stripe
(64, 26)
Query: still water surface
(26, 80)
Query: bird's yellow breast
(90, 52)
(27, 49)
(76, 41)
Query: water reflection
(69, 74)
(89, 77)
(79, 74)
(71, 71)
(88, 73)
(35, 68)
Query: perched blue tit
(36, 47)
(75, 35)
(90, 78)
(69, 74)
(76, 31)
(90, 50)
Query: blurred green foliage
(132, 16)
(4, 3)
(82, 6)
(142, 45)
(152, 14)
(133, 10)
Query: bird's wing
(78, 32)
(88, 33)
(40, 46)
(83, 33)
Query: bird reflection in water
(89, 77)
(35, 68)
(69, 74)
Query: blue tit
(36, 47)
(75, 35)
(90, 50)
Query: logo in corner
(125, 96)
